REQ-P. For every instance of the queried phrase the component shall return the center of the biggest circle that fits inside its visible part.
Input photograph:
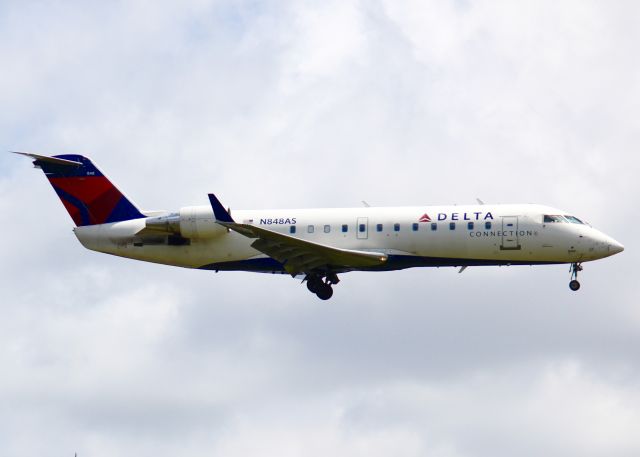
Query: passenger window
(379, 227)
(470, 225)
(452, 225)
(292, 229)
(310, 229)
(327, 228)
(396, 227)
(415, 226)
(362, 228)
(345, 228)
(434, 226)
(487, 225)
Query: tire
(325, 292)
(574, 285)
(314, 285)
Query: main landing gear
(321, 284)
(575, 268)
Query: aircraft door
(362, 228)
(510, 240)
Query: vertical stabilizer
(87, 194)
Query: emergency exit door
(362, 228)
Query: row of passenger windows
(380, 227)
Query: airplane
(318, 244)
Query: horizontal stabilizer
(52, 160)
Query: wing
(297, 256)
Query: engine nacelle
(190, 222)
(198, 222)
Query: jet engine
(190, 222)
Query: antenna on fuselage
(480, 202)
(366, 205)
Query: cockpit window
(574, 220)
(557, 218)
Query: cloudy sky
(284, 104)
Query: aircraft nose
(609, 246)
(603, 245)
(614, 247)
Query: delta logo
(475, 216)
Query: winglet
(221, 214)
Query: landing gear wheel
(575, 268)
(325, 292)
(314, 284)
(320, 283)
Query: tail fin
(86, 193)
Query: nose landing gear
(574, 269)
(321, 285)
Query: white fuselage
(410, 236)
